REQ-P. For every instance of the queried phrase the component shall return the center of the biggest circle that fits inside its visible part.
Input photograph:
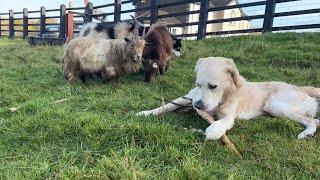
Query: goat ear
(127, 39)
(232, 69)
(155, 65)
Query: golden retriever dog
(221, 90)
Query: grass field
(94, 134)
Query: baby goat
(156, 55)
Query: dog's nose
(138, 57)
(199, 105)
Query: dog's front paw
(145, 113)
(215, 130)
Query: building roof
(180, 8)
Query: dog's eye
(198, 85)
(210, 86)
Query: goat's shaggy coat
(112, 58)
(156, 55)
(117, 31)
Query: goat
(123, 29)
(156, 55)
(85, 56)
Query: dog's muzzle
(199, 105)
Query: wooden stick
(224, 138)
(59, 101)
(14, 109)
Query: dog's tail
(87, 29)
(311, 91)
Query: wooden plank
(0, 26)
(300, 12)
(42, 20)
(117, 11)
(25, 23)
(154, 11)
(63, 21)
(11, 24)
(203, 18)
(240, 31)
(236, 6)
(235, 19)
(70, 27)
(269, 15)
(296, 27)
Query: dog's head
(216, 79)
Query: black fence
(12, 26)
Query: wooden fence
(10, 28)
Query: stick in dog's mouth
(207, 116)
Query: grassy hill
(94, 134)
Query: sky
(18, 5)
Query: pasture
(95, 133)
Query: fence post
(42, 20)
(88, 13)
(269, 15)
(63, 23)
(25, 23)
(11, 24)
(203, 18)
(0, 25)
(154, 11)
(70, 26)
(117, 11)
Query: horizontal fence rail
(197, 21)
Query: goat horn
(137, 24)
(144, 32)
(136, 21)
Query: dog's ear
(198, 64)
(232, 69)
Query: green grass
(96, 135)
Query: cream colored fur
(234, 97)
(121, 30)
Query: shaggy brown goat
(85, 56)
(156, 55)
